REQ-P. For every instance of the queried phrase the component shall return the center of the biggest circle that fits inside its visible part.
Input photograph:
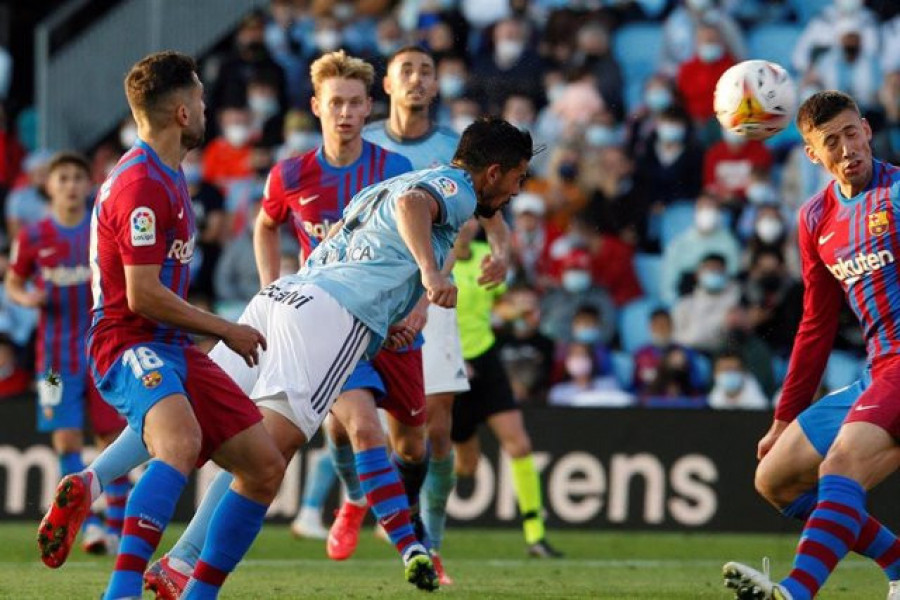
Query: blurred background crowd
(654, 257)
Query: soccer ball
(755, 99)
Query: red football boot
(60, 525)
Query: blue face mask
(709, 53)
(192, 174)
(576, 281)
(670, 132)
(601, 136)
(451, 86)
(568, 171)
(713, 281)
(730, 381)
(658, 99)
(586, 335)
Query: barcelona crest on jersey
(879, 223)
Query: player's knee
(366, 433)
(410, 450)
(180, 451)
(517, 446)
(266, 478)
(767, 487)
(465, 465)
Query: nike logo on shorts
(866, 407)
(416, 411)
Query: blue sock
(802, 506)
(234, 526)
(149, 509)
(344, 462)
(830, 532)
(120, 457)
(319, 482)
(386, 496)
(116, 499)
(70, 462)
(190, 544)
(439, 484)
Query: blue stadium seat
(634, 323)
(637, 47)
(843, 369)
(677, 218)
(807, 9)
(648, 269)
(774, 42)
(779, 369)
(704, 368)
(623, 366)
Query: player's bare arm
(494, 266)
(266, 247)
(18, 292)
(148, 297)
(416, 211)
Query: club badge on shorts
(151, 379)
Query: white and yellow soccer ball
(755, 99)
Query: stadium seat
(704, 368)
(634, 324)
(779, 369)
(648, 269)
(843, 369)
(637, 47)
(623, 366)
(677, 218)
(807, 9)
(774, 42)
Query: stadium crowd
(654, 257)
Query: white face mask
(555, 91)
(263, 105)
(128, 136)
(460, 122)
(300, 141)
(848, 6)
(769, 229)
(578, 366)
(236, 135)
(451, 85)
(327, 40)
(576, 281)
(760, 192)
(508, 51)
(699, 5)
(706, 219)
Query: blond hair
(339, 64)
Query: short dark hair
(491, 140)
(714, 257)
(154, 77)
(69, 158)
(409, 48)
(730, 353)
(587, 310)
(660, 311)
(822, 107)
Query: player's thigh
(790, 468)
(443, 366)
(401, 373)
(172, 433)
(356, 410)
(314, 344)
(255, 460)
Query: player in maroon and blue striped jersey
(52, 254)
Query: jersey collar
(155, 158)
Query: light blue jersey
(367, 267)
(435, 148)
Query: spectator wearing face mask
(761, 195)
(774, 301)
(300, 134)
(593, 54)
(849, 66)
(707, 236)
(618, 204)
(531, 238)
(521, 111)
(671, 163)
(453, 81)
(729, 163)
(266, 115)
(209, 216)
(248, 60)
(660, 94)
(673, 385)
(561, 189)
(680, 33)
(819, 34)
(698, 76)
(226, 159)
(769, 232)
(28, 203)
(510, 67)
(583, 386)
(586, 328)
(128, 134)
(577, 288)
(699, 318)
(526, 353)
(648, 358)
(734, 387)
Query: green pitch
(485, 564)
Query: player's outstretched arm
(148, 297)
(495, 265)
(416, 211)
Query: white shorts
(442, 360)
(313, 345)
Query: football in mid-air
(755, 99)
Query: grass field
(485, 564)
